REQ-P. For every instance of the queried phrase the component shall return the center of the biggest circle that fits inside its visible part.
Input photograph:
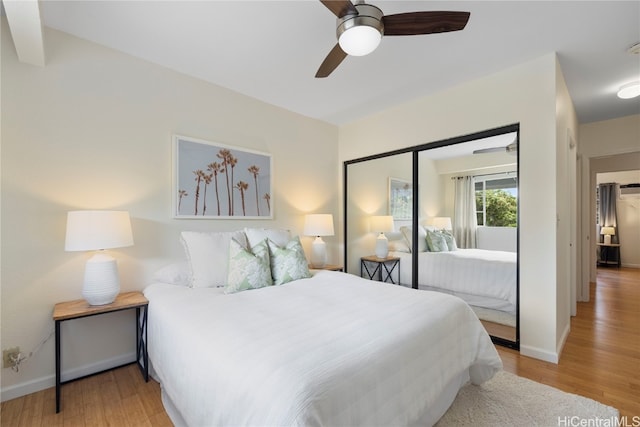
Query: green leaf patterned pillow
(436, 242)
(288, 263)
(451, 241)
(248, 269)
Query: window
(497, 200)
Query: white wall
(525, 94)
(566, 211)
(93, 129)
(606, 146)
(497, 238)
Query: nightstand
(382, 268)
(609, 254)
(80, 308)
(330, 267)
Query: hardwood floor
(601, 360)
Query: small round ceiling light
(630, 90)
(360, 34)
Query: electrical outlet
(6, 356)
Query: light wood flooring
(601, 360)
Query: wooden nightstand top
(81, 308)
(373, 258)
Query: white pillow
(422, 237)
(208, 255)
(288, 263)
(278, 236)
(248, 269)
(177, 273)
(399, 246)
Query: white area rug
(509, 400)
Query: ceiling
(271, 50)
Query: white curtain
(464, 218)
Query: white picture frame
(218, 181)
(400, 199)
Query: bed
(332, 349)
(483, 278)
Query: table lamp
(607, 232)
(381, 223)
(318, 225)
(96, 231)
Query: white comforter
(484, 273)
(330, 350)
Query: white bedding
(334, 349)
(481, 277)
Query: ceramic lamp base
(101, 282)
(382, 246)
(318, 257)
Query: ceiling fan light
(360, 40)
(630, 90)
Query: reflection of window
(497, 200)
(400, 198)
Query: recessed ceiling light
(630, 90)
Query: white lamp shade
(381, 223)
(93, 230)
(441, 222)
(318, 225)
(610, 231)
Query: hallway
(601, 358)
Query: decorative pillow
(436, 242)
(256, 235)
(288, 263)
(208, 255)
(248, 269)
(451, 241)
(399, 246)
(422, 234)
(174, 274)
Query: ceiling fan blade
(490, 150)
(331, 62)
(340, 8)
(414, 23)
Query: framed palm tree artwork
(217, 181)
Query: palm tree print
(199, 175)
(242, 186)
(215, 168)
(224, 155)
(232, 162)
(181, 194)
(205, 196)
(207, 181)
(255, 171)
(267, 197)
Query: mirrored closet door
(448, 214)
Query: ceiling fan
(509, 149)
(360, 28)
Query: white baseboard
(35, 385)
(627, 265)
(563, 338)
(537, 353)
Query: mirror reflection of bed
(482, 269)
